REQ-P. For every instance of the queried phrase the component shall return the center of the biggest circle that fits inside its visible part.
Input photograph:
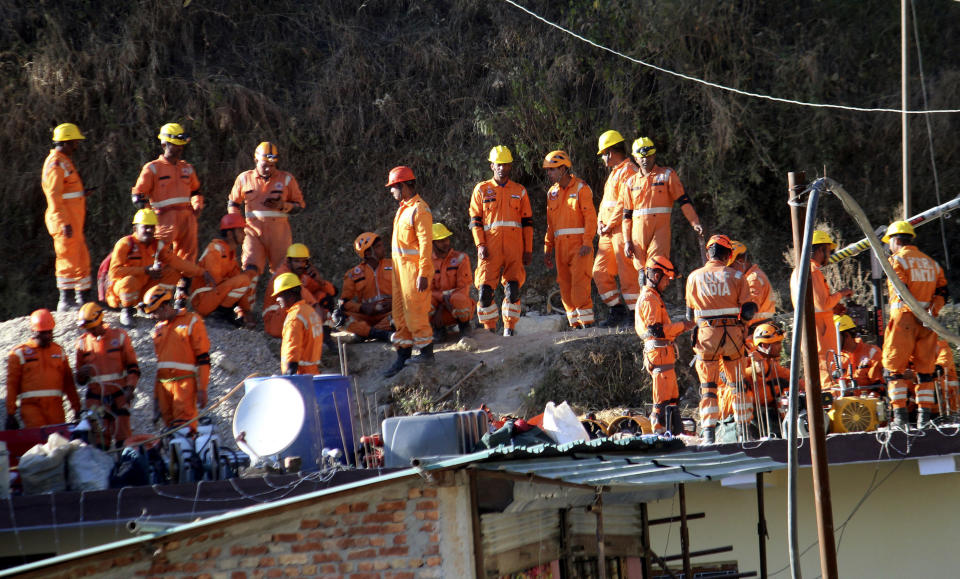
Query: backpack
(103, 278)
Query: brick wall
(394, 531)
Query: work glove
(196, 202)
(12, 423)
(139, 201)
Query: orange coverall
(611, 261)
(169, 188)
(761, 293)
(906, 340)
(653, 325)
(66, 205)
(113, 367)
(232, 287)
(452, 277)
(501, 219)
(39, 377)
(572, 224)
(183, 366)
(362, 285)
(412, 253)
(128, 280)
(715, 293)
(267, 233)
(302, 340)
(765, 380)
(823, 304)
(951, 384)
(313, 290)
(647, 206)
(863, 366)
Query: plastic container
(431, 435)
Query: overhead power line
(720, 86)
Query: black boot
(900, 418)
(708, 435)
(466, 328)
(80, 296)
(923, 418)
(379, 335)
(440, 334)
(674, 421)
(425, 356)
(403, 354)
(616, 315)
(126, 317)
(64, 303)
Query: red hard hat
(662, 263)
(721, 240)
(231, 221)
(400, 174)
(42, 320)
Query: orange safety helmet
(231, 221)
(42, 321)
(267, 151)
(556, 159)
(154, 299)
(400, 174)
(662, 263)
(721, 240)
(767, 334)
(737, 249)
(363, 242)
(90, 315)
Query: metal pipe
(905, 102)
(343, 436)
(701, 553)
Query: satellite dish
(268, 418)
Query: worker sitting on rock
(140, 262)
(366, 301)
(761, 292)
(231, 293)
(39, 376)
(302, 342)
(861, 366)
(317, 291)
(452, 277)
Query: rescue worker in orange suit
(824, 303)
(947, 373)
(183, 358)
(764, 382)
(907, 341)
(65, 215)
(38, 374)
(169, 185)
(301, 344)
(412, 244)
(718, 299)
(761, 292)
(860, 362)
(450, 301)
(648, 203)
(571, 226)
(107, 365)
(366, 300)
(267, 197)
(611, 262)
(231, 292)
(658, 333)
(502, 224)
(317, 291)
(140, 262)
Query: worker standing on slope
(860, 362)
(169, 185)
(571, 226)
(65, 215)
(301, 345)
(267, 196)
(412, 252)
(718, 299)
(502, 224)
(611, 262)
(648, 204)
(317, 291)
(761, 292)
(366, 301)
(658, 333)
(906, 340)
(231, 291)
(450, 301)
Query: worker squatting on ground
(906, 341)
(183, 358)
(38, 375)
(301, 344)
(611, 262)
(824, 303)
(658, 333)
(169, 185)
(267, 196)
(140, 262)
(231, 293)
(571, 226)
(647, 206)
(412, 244)
(65, 215)
(947, 375)
(502, 224)
(761, 292)
(450, 301)
(718, 299)
(317, 291)
(366, 301)
(753, 406)
(106, 363)
(861, 368)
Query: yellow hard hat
(643, 147)
(844, 323)
(298, 251)
(820, 237)
(284, 282)
(145, 217)
(556, 159)
(500, 155)
(607, 140)
(899, 228)
(267, 151)
(440, 231)
(173, 133)
(67, 132)
(365, 241)
(154, 299)
(736, 248)
(90, 315)
(767, 334)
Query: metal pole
(905, 102)
(761, 527)
(684, 532)
(794, 181)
